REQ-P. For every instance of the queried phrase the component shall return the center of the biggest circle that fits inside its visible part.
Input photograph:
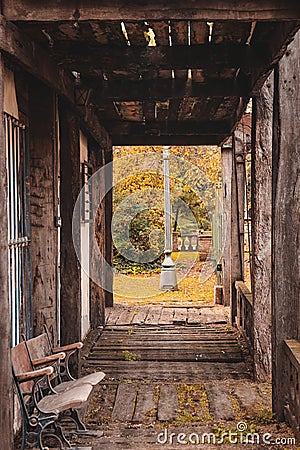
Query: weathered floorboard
(219, 403)
(145, 402)
(153, 315)
(125, 402)
(168, 403)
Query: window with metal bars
(18, 227)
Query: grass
(144, 289)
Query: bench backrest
(39, 347)
(21, 363)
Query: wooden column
(96, 157)
(108, 157)
(6, 428)
(226, 219)
(237, 220)
(261, 226)
(286, 218)
(43, 206)
(240, 154)
(70, 189)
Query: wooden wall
(286, 217)
(261, 228)
(5, 318)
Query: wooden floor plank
(180, 315)
(145, 401)
(172, 354)
(220, 405)
(125, 402)
(162, 370)
(246, 395)
(153, 315)
(209, 316)
(140, 315)
(125, 317)
(194, 316)
(168, 403)
(114, 315)
(166, 317)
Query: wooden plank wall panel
(286, 218)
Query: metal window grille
(18, 227)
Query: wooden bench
(44, 397)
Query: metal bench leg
(75, 417)
(61, 437)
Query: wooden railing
(292, 407)
(244, 319)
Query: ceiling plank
(161, 32)
(199, 32)
(225, 32)
(136, 33)
(56, 10)
(168, 140)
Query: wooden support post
(6, 429)
(108, 156)
(261, 227)
(70, 189)
(237, 221)
(101, 227)
(286, 218)
(226, 218)
(97, 314)
(43, 206)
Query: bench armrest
(49, 359)
(27, 376)
(65, 348)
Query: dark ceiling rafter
(193, 82)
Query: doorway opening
(138, 224)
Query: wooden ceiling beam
(86, 56)
(56, 10)
(154, 128)
(163, 89)
(167, 140)
(29, 56)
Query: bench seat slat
(93, 379)
(75, 397)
